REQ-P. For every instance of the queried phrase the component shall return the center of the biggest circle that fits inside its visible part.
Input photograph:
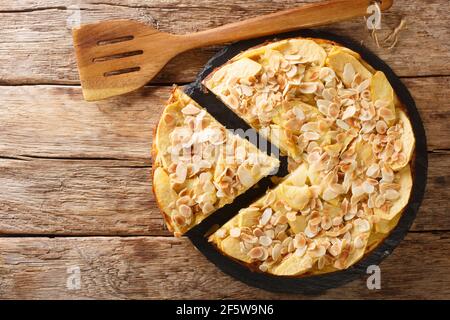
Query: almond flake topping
(190, 110)
(245, 176)
(362, 225)
(235, 232)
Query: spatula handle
(310, 15)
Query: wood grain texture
(66, 197)
(170, 268)
(37, 34)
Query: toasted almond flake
(232, 101)
(379, 201)
(313, 157)
(368, 187)
(342, 124)
(185, 211)
(327, 74)
(169, 119)
(310, 126)
(299, 240)
(365, 95)
(291, 216)
(281, 220)
(337, 221)
(246, 90)
(235, 232)
(381, 127)
(387, 174)
(249, 238)
(270, 233)
(333, 110)
(269, 199)
(315, 221)
(299, 114)
(181, 173)
(256, 253)
(265, 254)
(348, 74)
(208, 208)
(373, 170)
(190, 110)
(292, 71)
(357, 190)
(386, 113)
(350, 215)
(329, 194)
(221, 233)
(263, 267)
(349, 112)
(184, 199)
(345, 205)
(363, 85)
(276, 252)
(311, 136)
(309, 233)
(358, 242)
(315, 192)
(323, 106)
(300, 252)
(329, 94)
(179, 220)
(292, 124)
(287, 241)
(292, 57)
(265, 241)
(265, 217)
(398, 145)
(318, 252)
(392, 194)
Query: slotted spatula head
(115, 57)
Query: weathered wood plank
(168, 268)
(66, 197)
(78, 198)
(37, 34)
(55, 121)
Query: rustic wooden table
(76, 195)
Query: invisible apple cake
(349, 143)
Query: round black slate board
(319, 283)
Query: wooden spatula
(119, 56)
